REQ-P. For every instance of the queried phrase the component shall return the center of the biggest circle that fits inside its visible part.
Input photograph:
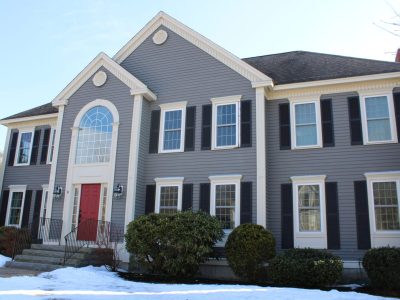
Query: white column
(261, 157)
(133, 158)
(4, 162)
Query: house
(305, 144)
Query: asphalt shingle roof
(36, 111)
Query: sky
(45, 44)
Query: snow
(97, 283)
(3, 260)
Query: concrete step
(32, 266)
(40, 259)
(48, 253)
(59, 248)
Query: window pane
(378, 120)
(24, 147)
(226, 125)
(386, 206)
(306, 125)
(309, 208)
(168, 199)
(225, 197)
(172, 130)
(95, 135)
(15, 208)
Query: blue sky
(45, 44)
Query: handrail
(91, 232)
(38, 231)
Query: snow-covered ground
(99, 284)
(3, 260)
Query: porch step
(48, 253)
(32, 266)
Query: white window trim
(392, 118)
(309, 239)
(167, 107)
(225, 180)
(165, 182)
(15, 189)
(22, 131)
(50, 153)
(225, 101)
(381, 238)
(45, 188)
(293, 103)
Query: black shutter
(246, 198)
(13, 148)
(205, 197)
(328, 136)
(3, 209)
(150, 199)
(396, 99)
(355, 120)
(26, 209)
(45, 146)
(190, 128)
(362, 215)
(187, 196)
(245, 123)
(287, 216)
(35, 147)
(206, 127)
(332, 215)
(36, 214)
(284, 126)
(154, 131)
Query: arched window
(95, 135)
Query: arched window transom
(95, 136)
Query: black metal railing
(39, 231)
(92, 232)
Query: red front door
(89, 212)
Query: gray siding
(343, 163)
(119, 94)
(179, 71)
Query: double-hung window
(168, 195)
(378, 119)
(384, 208)
(173, 118)
(306, 124)
(15, 205)
(24, 149)
(225, 128)
(309, 211)
(225, 200)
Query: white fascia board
(27, 119)
(102, 60)
(256, 77)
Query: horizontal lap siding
(343, 163)
(179, 71)
(119, 94)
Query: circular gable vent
(160, 37)
(100, 78)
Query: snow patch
(3, 260)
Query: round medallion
(100, 78)
(160, 37)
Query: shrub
(7, 239)
(173, 245)
(306, 268)
(383, 267)
(248, 249)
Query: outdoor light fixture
(118, 190)
(57, 191)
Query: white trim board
(256, 77)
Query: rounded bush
(248, 248)
(7, 240)
(383, 267)
(173, 245)
(305, 268)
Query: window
(384, 209)
(306, 124)
(15, 205)
(45, 196)
(103, 206)
(225, 125)
(309, 211)
(95, 136)
(378, 119)
(173, 117)
(75, 208)
(225, 200)
(52, 141)
(24, 147)
(168, 194)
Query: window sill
(171, 151)
(307, 147)
(225, 147)
(22, 165)
(381, 142)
